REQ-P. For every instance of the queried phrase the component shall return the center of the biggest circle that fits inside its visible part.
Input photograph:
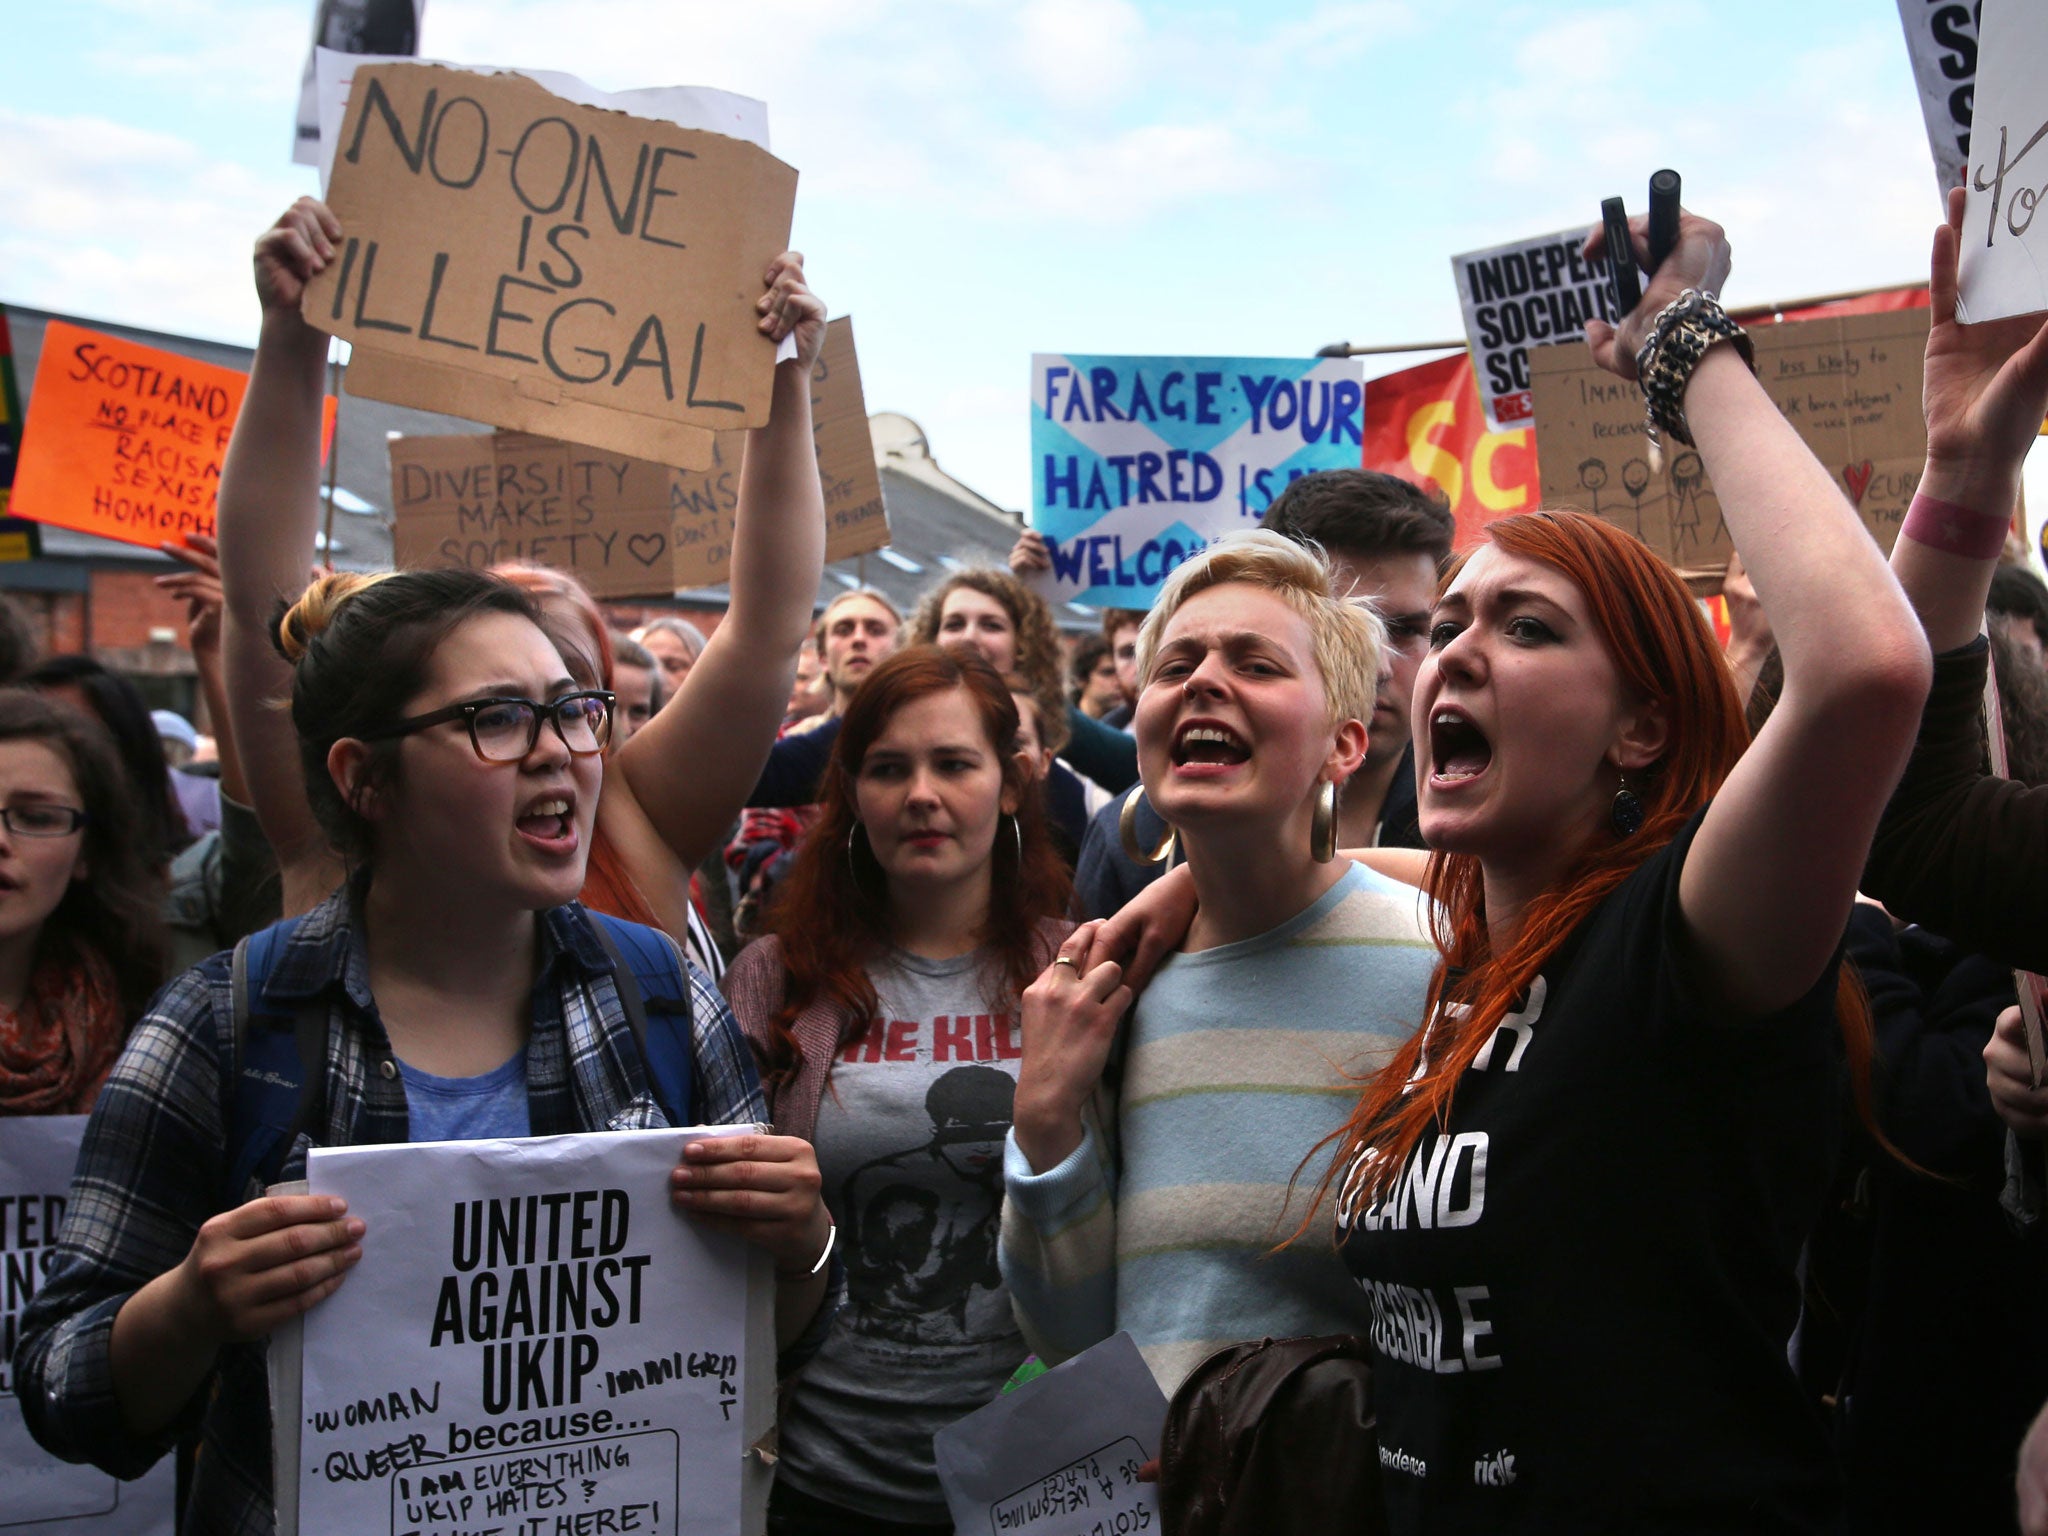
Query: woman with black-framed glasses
(506, 730)
(81, 940)
(456, 764)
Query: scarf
(57, 1048)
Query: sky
(983, 180)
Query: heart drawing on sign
(652, 543)
(1857, 478)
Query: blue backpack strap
(654, 990)
(274, 1079)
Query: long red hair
(832, 914)
(1665, 652)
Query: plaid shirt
(154, 1165)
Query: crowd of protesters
(1610, 1030)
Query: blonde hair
(307, 619)
(1348, 638)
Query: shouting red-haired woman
(922, 903)
(1576, 1200)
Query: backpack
(1273, 1437)
(275, 1063)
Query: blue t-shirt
(467, 1108)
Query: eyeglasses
(39, 820)
(506, 730)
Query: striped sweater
(1238, 1061)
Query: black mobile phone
(1621, 255)
(1663, 216)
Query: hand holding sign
(291, 253)
(764, 1189)
(1985, 389)
(1701, 259)
(790, 308)
(262, 1264)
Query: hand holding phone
(1621, 255)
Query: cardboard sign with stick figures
(1850, 386)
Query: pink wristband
(1958, 530)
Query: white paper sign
(40, 1495)
(1059, 1456)
(687, 106)
(1941, 37)
(2005, 235)
(386, 29)
(536, 1341)
(1528, 294)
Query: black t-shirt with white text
(1582, 1287)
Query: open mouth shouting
(1458, 750)
(549, 823)
(1208, 749)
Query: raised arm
(1985, 390)
(1771, 876)
(734, 695)
(269, 509)
(1958, 850)
(198, 588)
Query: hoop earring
(1127, 834)
(853, 869)
(1017, 828)
(1322, 830)
(1626, 814)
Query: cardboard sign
(537, 1340)
(625, 527)
(855, 519)
(2005, 246)
(1529, 294)
(44, 1496)
(1850, 386)
(1059, 1456)
(1140, 462)
(538, 264)
(126, 441)
(484, 499)
(1426, 425)
(687, 106)
(1941, 37)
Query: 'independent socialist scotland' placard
(1139, 462)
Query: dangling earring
(1322, 831)
(1127, 833)
(1626, 814)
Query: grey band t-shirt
(910, 1143)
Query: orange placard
(126, 441)
(1426, 425)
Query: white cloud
(1338, 29)
(243, 63)
(1127, 178)
(129, 224)
(1080, 52)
